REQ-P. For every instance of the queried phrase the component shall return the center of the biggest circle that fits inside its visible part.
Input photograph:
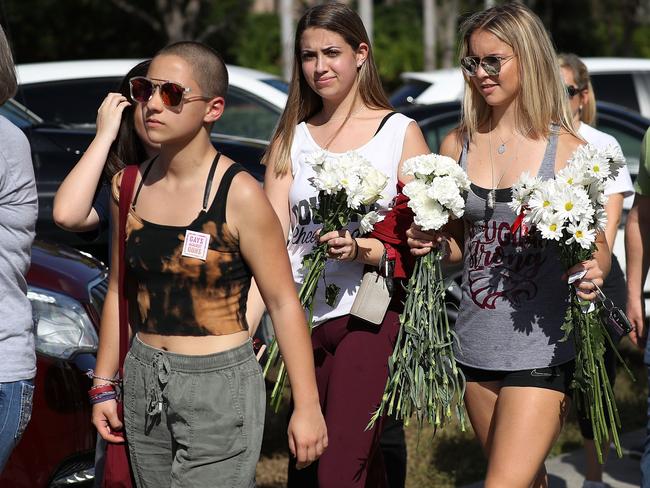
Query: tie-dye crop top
(172, 294)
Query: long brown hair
(127, 148)
(581, 77)
(303, 102)
(542, 97)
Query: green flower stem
(334, 214)
(423, 379)
(591, 386)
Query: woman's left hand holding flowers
(341, 246)
(593, 277)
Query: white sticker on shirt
(196, 245)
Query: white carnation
(419, 166)
(429, 214)
(444, 190)
(368, 222)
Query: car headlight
(63, 328)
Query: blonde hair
(581, 76)
(542, 98)
(302, 101)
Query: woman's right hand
(421, 242)
(636, 316)
(109, 115)
(106, 421)
(307, 434)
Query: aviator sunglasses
(490, 64)
(142, 89)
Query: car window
(616, 88)
(436, 128)
(247, 116)
(73, 102)
(408, 92)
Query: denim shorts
(16, 399)
(193, 420)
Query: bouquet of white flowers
(423, 378)
(345, 184)
(570, 210)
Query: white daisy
(552, 227)
(571, 203)
(582, 234)
(540, 203)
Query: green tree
(258, 43)
(398, 40)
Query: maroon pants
(351, 359)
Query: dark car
(57, 148)
(67, 290)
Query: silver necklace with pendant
(502, 147)
(492, 193)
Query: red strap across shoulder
(126, 194)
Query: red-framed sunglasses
(143, 88)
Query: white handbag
(374, 294)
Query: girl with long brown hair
(336, 104)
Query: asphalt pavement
(566, 470)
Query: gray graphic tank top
(513, 300)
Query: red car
(67, 290)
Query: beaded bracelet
(101, 399)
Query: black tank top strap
(222, 192)
(383, 122)
(208, 182)
(144, 177)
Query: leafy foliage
(258, 43)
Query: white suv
(69, 93)
(624, 81)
